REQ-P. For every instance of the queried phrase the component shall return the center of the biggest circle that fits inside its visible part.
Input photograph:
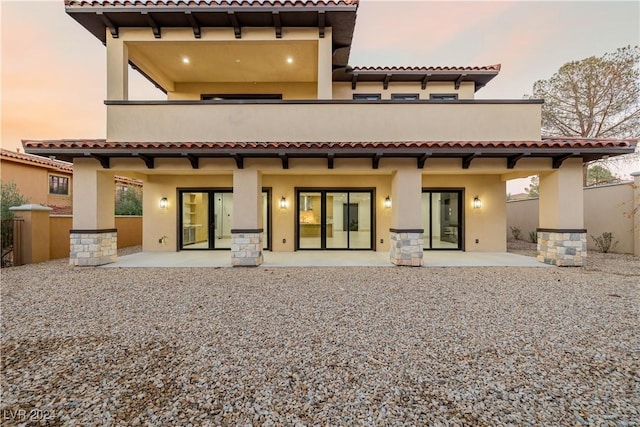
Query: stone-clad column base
(246, 248)
(406, 247)
(93, 247)
(562, 247)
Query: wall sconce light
(477, 203)
(164, 203)
(387, 202)
(283, 203)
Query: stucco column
(93, 238)
(636, 213)
(247, 232)
(117, 69)
(406, 232)
(562, 239)
(34, 241)
(325, 66)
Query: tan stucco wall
(487, 224)
(349, 122)
(561, 198)
(342, 90)
(33, 183)
(606, 209)
(93, 195)
(192, 91)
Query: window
(58, 185)
(367, 97)
(444, 96)
(405, 96)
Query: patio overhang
(556, 149)
(113, 15)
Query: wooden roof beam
(285, 160)
(330, 158)
(512, 160)
(233, 20)
(558, 160)
(385, 83)
(375, 160)
(239, 160)
(112, 28)
(459, 80)
(321, 23)
(153, 24)
(466, 160)
(104, 160)
(277, 23)
(197, 31)
(194, 160)
(425, 80)
(149, 161)
(354, 81)
(423, 158)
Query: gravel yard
(325, 346)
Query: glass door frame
(179, 219)
(461, 222)
(323, 216)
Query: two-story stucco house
(269, 139)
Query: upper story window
(444, 96)
(240, 96)
(367, 97)
(58, 185)
(405, 96)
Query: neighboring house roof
(558, 149)
(39, 161)
(480, 75)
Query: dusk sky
(54, 81)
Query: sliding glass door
(442, 219)
(334, 219)
(206, 219)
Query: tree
(129, 202)
(534, 188)
(597, 174)
(10, 196)
(596, 97)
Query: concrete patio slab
(218, 259)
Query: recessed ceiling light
(185, 60)
(237, 60)
(289, 60)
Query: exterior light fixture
(283, 203)
(477, 203)
(164, 203)
(387, 202)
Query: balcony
(326, 121)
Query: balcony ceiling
(229, 61)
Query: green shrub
(515, 232)
(605, 242)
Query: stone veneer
(563, 248)
(93, 247)
(246, 248)
(407, 247)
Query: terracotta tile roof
(37, 160)
(200, 3)
(545, 143)
(61, 210)
(495, 67)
